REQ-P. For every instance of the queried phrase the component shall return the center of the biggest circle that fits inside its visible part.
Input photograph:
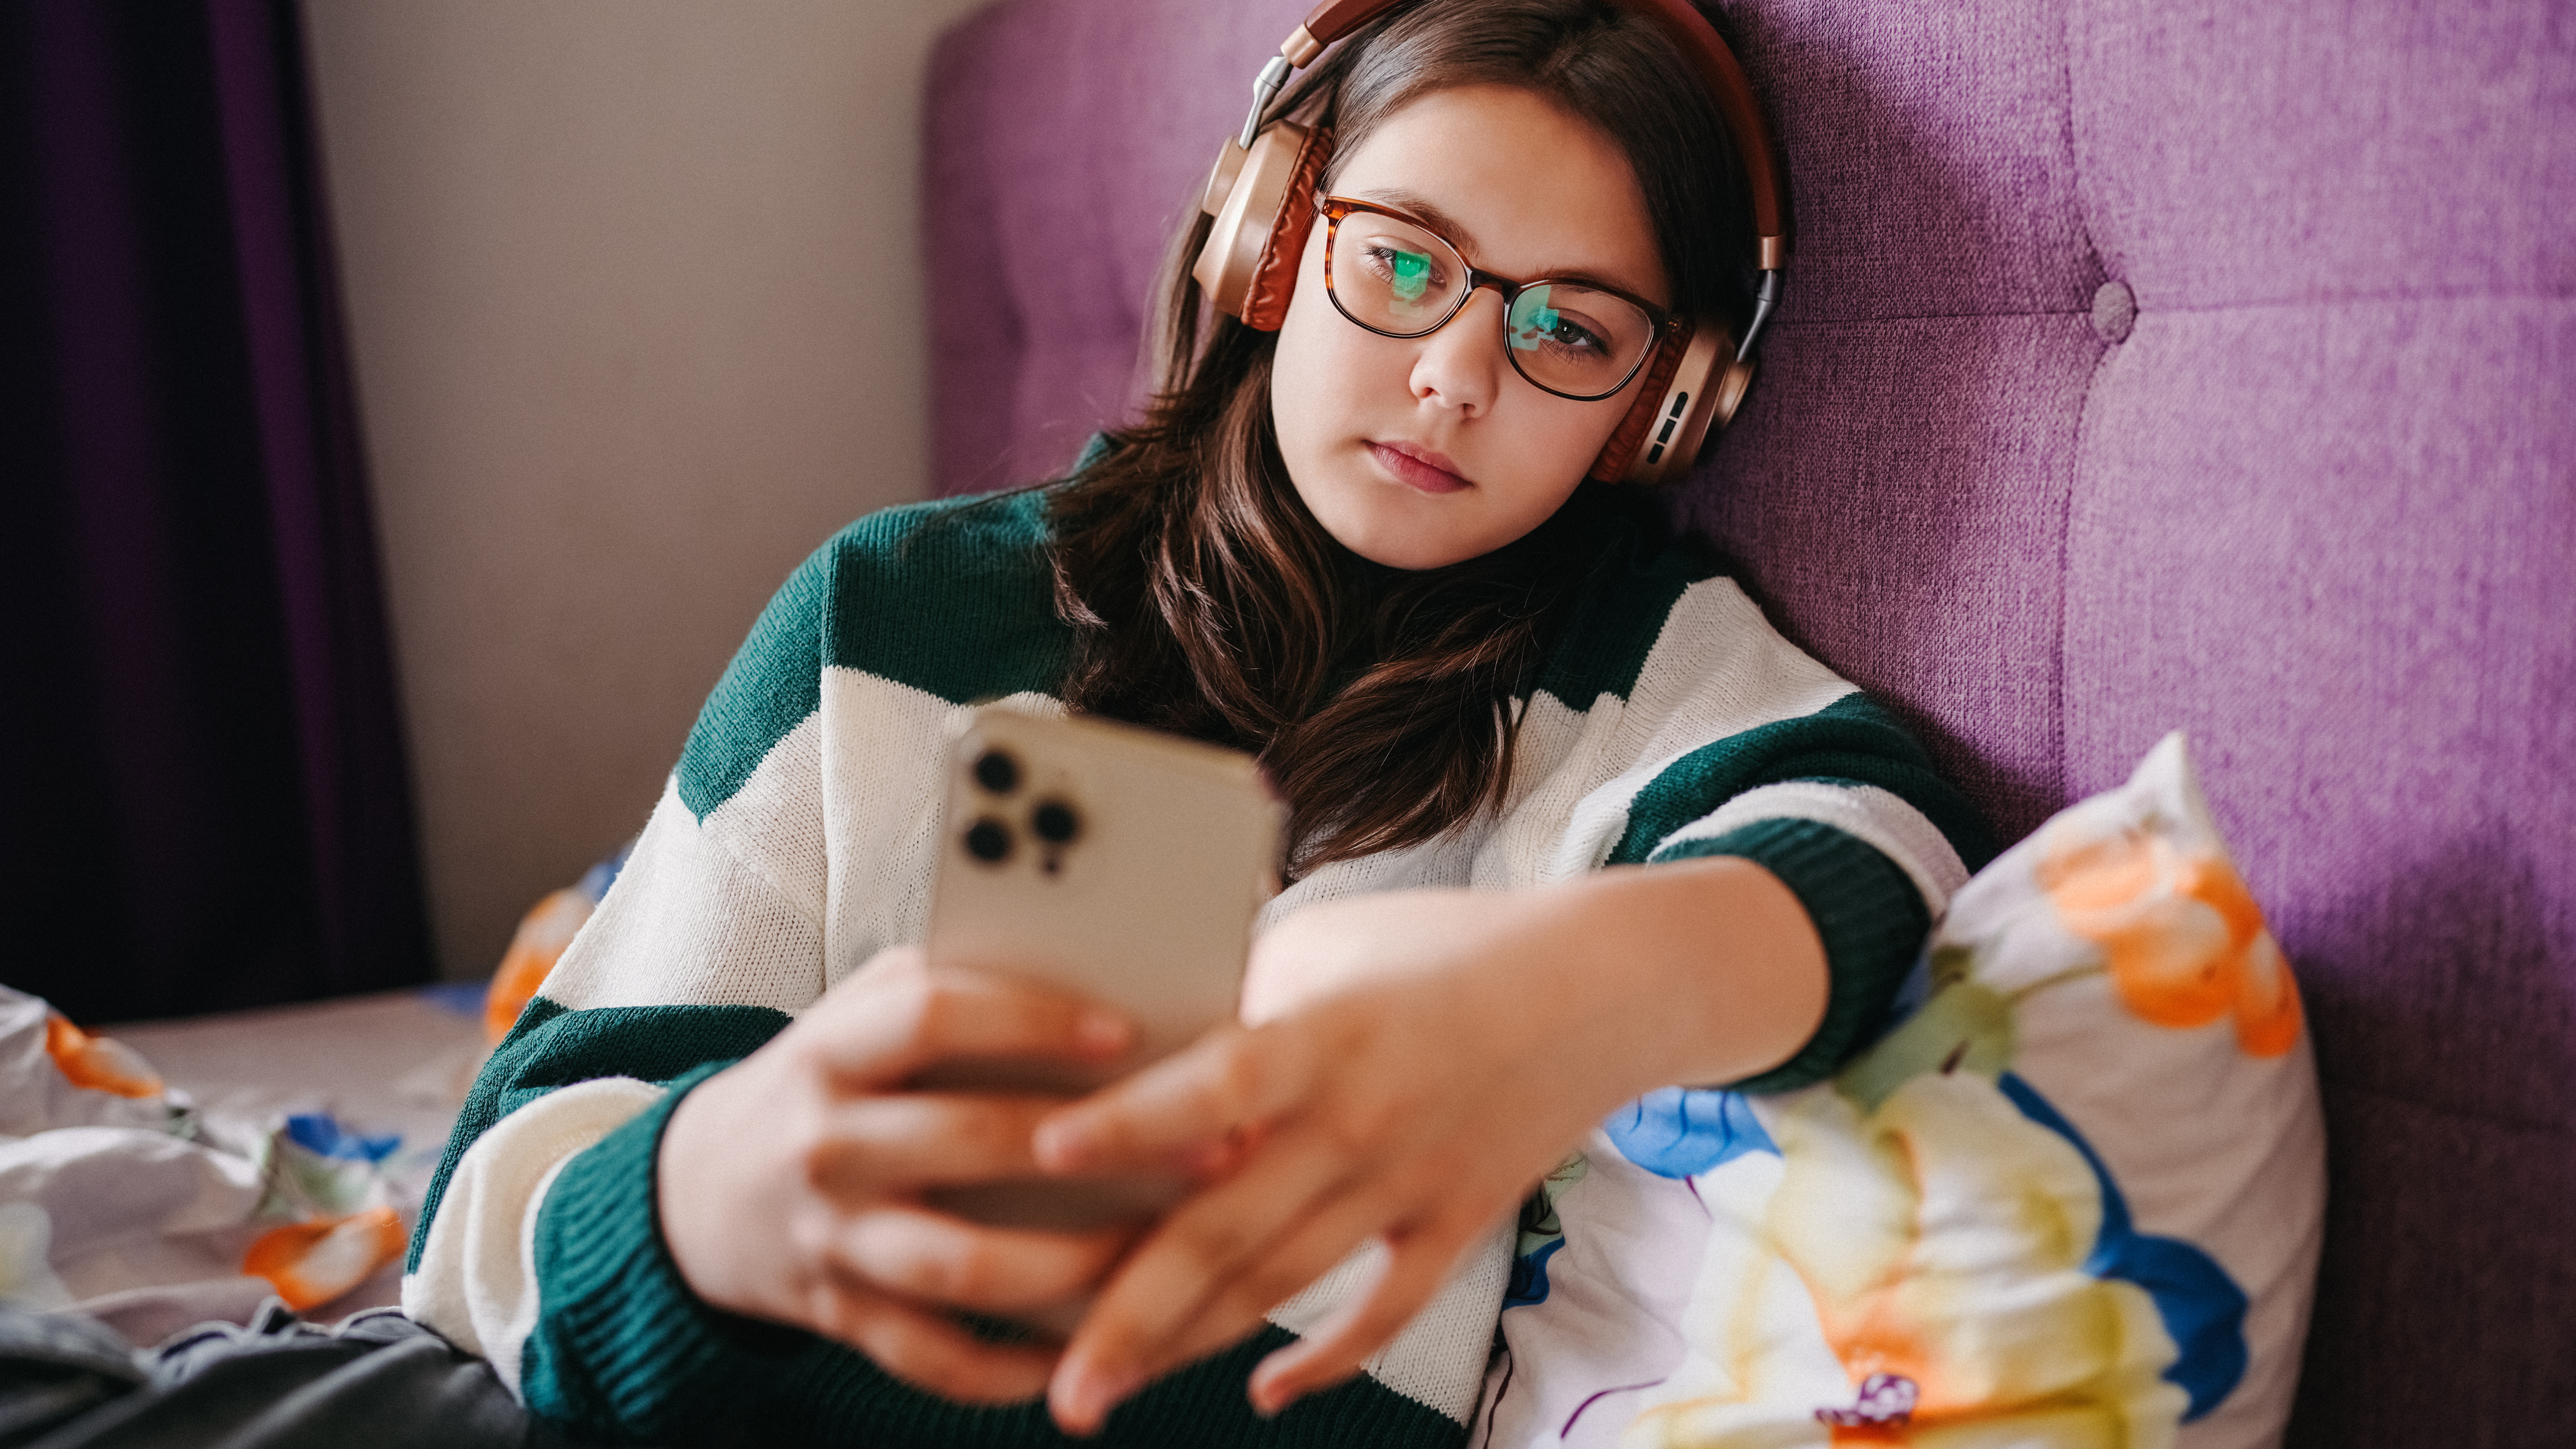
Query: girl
(1570, 822)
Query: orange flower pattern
(309, 1264)
(2182, 938)
(101, 1064)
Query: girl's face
(1427, 451)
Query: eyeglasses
(1398, 278)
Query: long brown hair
(1207, 600)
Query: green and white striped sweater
(795, 839)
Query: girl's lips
(1418, 468)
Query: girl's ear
(1264, 204)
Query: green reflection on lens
(1534, 320)
(1412, 275)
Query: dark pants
(378, 1380)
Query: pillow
(544, 934)
(2073, 1197)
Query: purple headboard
(2190, 364)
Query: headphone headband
(1709, 57)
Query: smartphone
(1119, 863)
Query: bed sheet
(155, 1175)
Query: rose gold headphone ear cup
(1699, 394)
(1244, 268)
(1274, 280)
(1616, 455)
(1668, 460)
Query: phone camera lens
(996, 771)
(988, 840)
(1055, 822)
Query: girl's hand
(791, 1182)
(1416, 1062)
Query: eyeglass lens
(1394, 277)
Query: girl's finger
(1413, 1267)
(1170, 1284)
(1228, 1081)
(907, 1139)
(1243, 1306)
(930, 1257)
(1320, 1243)
(892, 1023)
(930, 1352)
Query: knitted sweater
(796, 838)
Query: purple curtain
(203, 797)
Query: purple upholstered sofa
(2188, 364)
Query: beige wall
(631, 293)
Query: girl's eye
(1409, 274)
(1570, 336)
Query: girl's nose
(1461, 364)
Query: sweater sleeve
(1688, 726)
(1842, 805)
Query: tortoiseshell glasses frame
(1625, 335)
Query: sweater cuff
(621, 1342)
(1869, 914)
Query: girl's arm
(1415, 1061)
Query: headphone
(1261, 191)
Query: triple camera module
(991, 838)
